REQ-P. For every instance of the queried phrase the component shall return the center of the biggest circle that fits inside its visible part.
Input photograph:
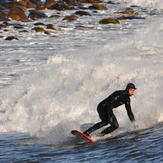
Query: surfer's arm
(129, 111)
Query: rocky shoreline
(27, 11)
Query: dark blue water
(139, 146)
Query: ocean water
(51, 84)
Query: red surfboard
(82, 135)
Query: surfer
(105, 110)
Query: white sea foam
(143, 3)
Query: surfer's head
(130, 89)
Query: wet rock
(4, 25)
(46, 32)
(50, 26)
(89, 1)
(49, 3)
(130, 17)
(59, 6)
(72, 4)
(54, 16)
(111, 2)
(23, 2)
(5, 30)
(128, 11)
(40, 8)
(39, 23)
(83, 13)
(83, 27)
(24, 30)
(98, 7)
(37, 2)
(134, 6)
(39, 29)
(36, 15)
(71, 18)
(18, 27)
(2, 8)
(4, 16)
(31, 5)
(109, 21)
(11, 38)
(1, 36)
(17, 14)
(14, 5)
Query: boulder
(40, 8)
(50, 26)
(83, 13)
(55, 16)
(36, 15)
(4, 24)
(14, 5)
(23, 2)
(17, 14)
(71, 18)
(130, 17)
(39, 23)
(59, 6)
(39, 29)
(128, 11)
(89, 1)
(83, 27)
(98, 7)
(5, 30)
(110, 2)
(37, 2)
(11, 38)
(31, 5)
(4, 16)
(2, 8)
(109, 21)
(18, 27)
(49, 3)
(23, 30)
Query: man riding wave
(105, 110)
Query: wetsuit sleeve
(129, 111)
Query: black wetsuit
(105, 111)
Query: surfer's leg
(113, 126)
(104, 121)
(95, 127)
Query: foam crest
(143, 3)
(63, 94)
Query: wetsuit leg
(95, 127)
(104, 120)
(114, 125)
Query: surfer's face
(131, 91)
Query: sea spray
(64, 93)
(156, 4)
